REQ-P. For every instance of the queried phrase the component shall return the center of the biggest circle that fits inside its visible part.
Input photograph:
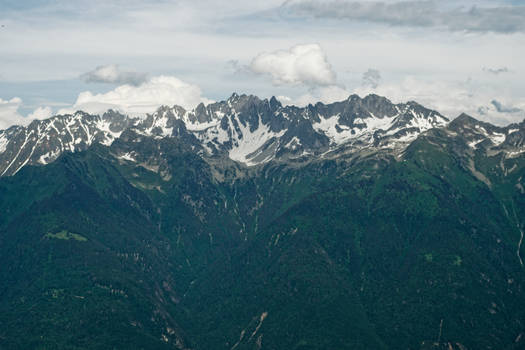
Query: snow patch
(514, 154)
(16, 157)
(374, 123)
(473, 144)
(426, 123)
(408, 137)
(3, 142)
(160, 122)
(201, 126)
(48, 157)
(293, 143)
(214, 134)
(103, 125)
(497, 138)
(482, 129)
(127, 156)
(247, 142)
(328, 126)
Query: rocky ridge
(253, 131)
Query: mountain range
(246, 224)
(244, 129)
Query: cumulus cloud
(41, 113)
(9, 112)
(112, 74)
(371, 78)
(301, 64)
(501, 19)
(141, 99)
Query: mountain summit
(243, 128)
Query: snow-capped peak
(243, 128)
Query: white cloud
(285, 100)
(167, 33)
(41, 113)
(301, 64)
(112, 74)
(325, 94)
(141, 99)
(9, 112)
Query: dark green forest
(369, 251)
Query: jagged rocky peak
(244, 105)
(239, 102)
(413, 115)
(243, 128)
(467, 123)
(516, 135)
(116, 122)
(202, 114)
(370, 105)
(43, 141)
(274, 103)
(380, 106)
(479, 135)
(354, 112)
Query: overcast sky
(57, 56)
